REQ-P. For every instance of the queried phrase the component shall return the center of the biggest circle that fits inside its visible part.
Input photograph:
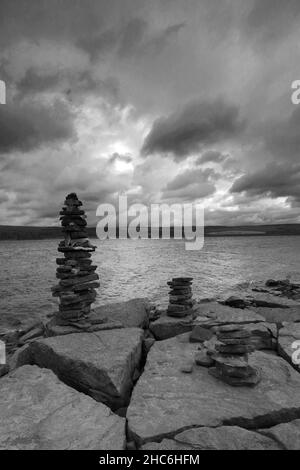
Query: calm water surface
(141, 268)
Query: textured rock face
(100, 364)
(39, 412)
(222, 438)
(287, 338)
(133, 313)
(165, 401)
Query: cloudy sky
(161, 100)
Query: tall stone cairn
(78, 280)
(180, 297)
(231, 357)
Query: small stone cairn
(180, 297)
(231, 357)
(75, 271)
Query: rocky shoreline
(140, 379)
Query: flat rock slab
(52, 329)
(221, 438)
(133, 313)
(167, 327)
(38, 412)
(289, 344)
(165, 401)
(214, 314)
(206, 314)
(279, 315)
(100, 364)
(259, 297)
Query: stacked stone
(180, 297)
(231, 358)
(76, 273)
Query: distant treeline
(9, 232)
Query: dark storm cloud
(275, 180)
(191, 184)
(196, 125)
(120, 64)
(269, 20)
(27, 126)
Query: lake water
(141, 268)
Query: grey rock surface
(100, 364)
(38, 412)
(166, 402)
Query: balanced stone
(231, 358)
(180, 297)
(78, 281)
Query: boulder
(289, 343)
(38, 412)
(221, 438)
(130, 314)
(100, 364)
(165, 401)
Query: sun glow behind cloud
(163, 102)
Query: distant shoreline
(10, 232)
